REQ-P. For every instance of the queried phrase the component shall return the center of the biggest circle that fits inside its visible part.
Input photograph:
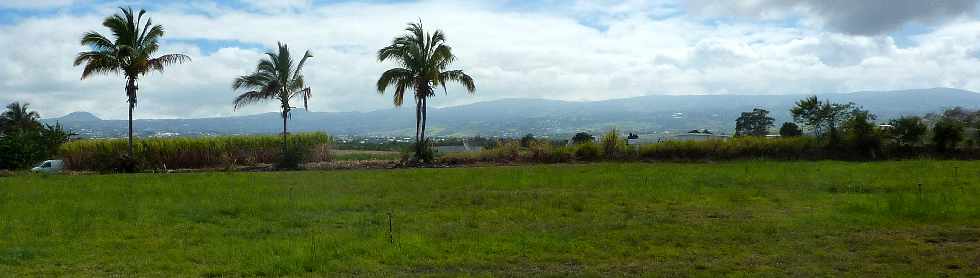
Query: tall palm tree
(275, 78)
(18, 116)
(422, 58)
(130, 52)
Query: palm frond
(400, 88)
(97, 62)
(302, 62)
(97, 41)
(255, 81)
(459, 77)
(162, 62)
(251, 97)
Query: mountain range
(515, 117)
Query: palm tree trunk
(130, 129)
(424, 118)
(131, 99)
(285, 146)
(418, 119)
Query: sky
(565, 50)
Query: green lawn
(741, 218)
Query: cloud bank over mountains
(584, 50)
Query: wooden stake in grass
(391, 236)
(920, 191)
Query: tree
(276, 77)
(24, 140)
(582, 138)
(422, 58)
(527, 140)
(755, 123)
(946, 134)
(861, 134)
(964, 116)
(18, 116)
(823, 117)
(908, 131)
(130, 53)
(790, 130)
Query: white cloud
(511, 53)
(34, 4)
(864, 17)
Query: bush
(194, 153)
(562, 154)
(540, 151)
(291, 159)
(504, 151)
(527, 140)
(908, 131)
(419, 152)
(735, 148)
(862, 137)
(22, 148)
(946, 134)
(588, 152)
(790, 130)
(613, 146)
(582, 138)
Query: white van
(49, 166)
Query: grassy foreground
(739, 218)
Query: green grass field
(738, 218)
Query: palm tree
(130, 53)
(18, 116)
(423, 59)
(275, 78)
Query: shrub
(736, 148)
(908, 131)
(527, 140)
(862, 138)
(588, 152)
(420, 152)
(22, 148)
(190, 153)
(540, 151)
(291, 159)
(613, 147)
(790, 130)
(946, 134)
(582, 138)
(562, 154)
(504, 151)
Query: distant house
(633, 139)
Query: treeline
(847, 131)
(24, 140)
(821, 130)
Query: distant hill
(77, 117)
(514, 117)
